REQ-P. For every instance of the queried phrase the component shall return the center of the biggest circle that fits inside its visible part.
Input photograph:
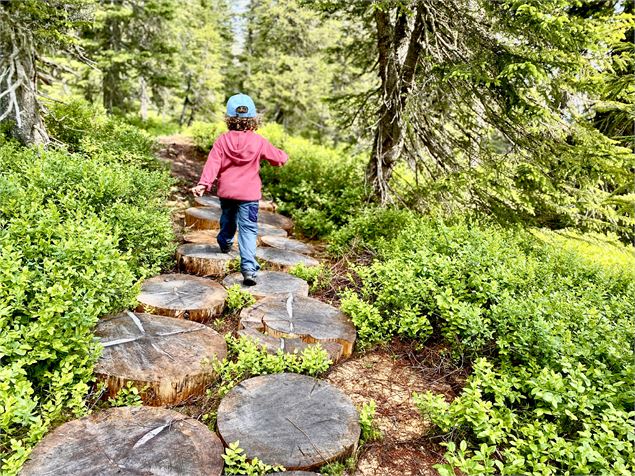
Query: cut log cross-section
(161, 356)
(301, 317)
(182, 296)
(271, 283)
(212, 201)
(288, 244)
(128, 440)
(291, 420)
(283, 260)
(202, 218)
(204, 259)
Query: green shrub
(205, 133)
(237, 298)
(318, 277)
(236, 463)
(550, 326)
(246, 358)
(370, 431)
(78, 231)
(128, 396)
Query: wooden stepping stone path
(204, 259)
(212, 201)
(161, 354)
(182, 296)
(305, 318)
(271, 283)
(289, 345)
(288, 244)
(209, 236)
(128, 440)
(288, 419)
(283, 260)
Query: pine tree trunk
(143, 98)
(19, 105)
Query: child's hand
(198, 191)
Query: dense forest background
(468, 163)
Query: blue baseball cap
(241, 105)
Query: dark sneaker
(225, 249)
(249, 279)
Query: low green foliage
(236, 463)
(318, 277)
(128, 396)
(78, 231)
(370, 431)
(205, 133)
(246, 358)
(548, 324)
(237, 298)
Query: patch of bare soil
(390, 377)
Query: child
(235, 162)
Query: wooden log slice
(271, 283)
(207, 201)
(202, 218)
(283, 260)
(204, 259)
(128, 440)
(182, 296)
(161, 354)
(302, 317)
(275, 219)
(289, 419)
(201, 236)
(289, 345)
(288, 244)
(212, 201)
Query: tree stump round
(207, 201)
(204, 259)
(288, 345)
(128, 440)
(202, 218)
(270, 283)
(304, 318)
(207, 237)
(160, 355)
(275, 219)
(283, 260)
(288, 244)
(288, 419)
(182, 296)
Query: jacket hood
(238, 146)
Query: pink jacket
(235, 161)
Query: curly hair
(242, 123)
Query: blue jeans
(245, 215)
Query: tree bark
(399, 46)
(19, 105)
(143, 98)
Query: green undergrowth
(246, 358)
(78, 231)
(545, 318)
(319, 187)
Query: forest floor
(388, 374)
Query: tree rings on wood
(128, 440)
(160, 355)
(202, 218)
(182, 296)
(301, 317)
(201, 236)
(288, 244)
(271, 283)
(275, 219)
(284, 260)
(288, 419)
(204, 259)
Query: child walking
(234, 162)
